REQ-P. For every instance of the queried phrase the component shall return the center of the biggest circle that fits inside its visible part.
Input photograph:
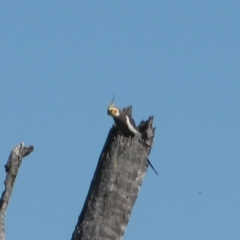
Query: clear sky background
(60, 64)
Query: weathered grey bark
(114, 188)
(12, 166)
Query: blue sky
(61, 63)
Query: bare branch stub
(114, 188)
(128, 110)
(27, 150)
(11, 168)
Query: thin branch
(11, 168)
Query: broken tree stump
(118, 177)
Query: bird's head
(112, 110)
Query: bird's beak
(109, 112)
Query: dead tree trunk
(12, 166)
(114, 188)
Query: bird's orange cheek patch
(115, 111)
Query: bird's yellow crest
(112, 110)
(111, 105)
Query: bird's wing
(132, 126)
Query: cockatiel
(126, 125)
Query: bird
(126, 125)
